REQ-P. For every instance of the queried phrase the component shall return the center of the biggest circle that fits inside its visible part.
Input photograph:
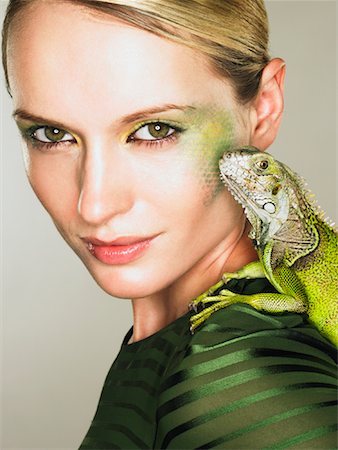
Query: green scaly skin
(297, 249)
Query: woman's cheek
(205, 150)
(53, 179)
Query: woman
(125, 109)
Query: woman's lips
(119, 251)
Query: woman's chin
(125, 282)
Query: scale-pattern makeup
(211, 133)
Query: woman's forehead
(62, 58)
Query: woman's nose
(105, 185)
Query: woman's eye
(152, 132)
(51, 135)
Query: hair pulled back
(233, 34)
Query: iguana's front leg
(267, 302)
(251, 270)
(197, 303)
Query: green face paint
(210, 134)
(207, 132)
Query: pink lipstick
(119, 251)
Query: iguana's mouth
(247, 204)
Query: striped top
(244, 380)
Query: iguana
(297, 248)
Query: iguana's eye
(263, 164)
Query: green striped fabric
(244, 380)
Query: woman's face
(122, 132)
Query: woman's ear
(268, 106)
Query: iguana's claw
(195, 306)
(192, 307)
(226, 278)
(205, 310)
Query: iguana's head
(259, 183)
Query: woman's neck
(154, 312)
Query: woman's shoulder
(240, 326)
(240, 329)
(239, 334)
(246, 379)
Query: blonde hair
(233, 34)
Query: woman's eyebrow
(139, 115)
(25, 115)
(129, 118)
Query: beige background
(60, 332)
